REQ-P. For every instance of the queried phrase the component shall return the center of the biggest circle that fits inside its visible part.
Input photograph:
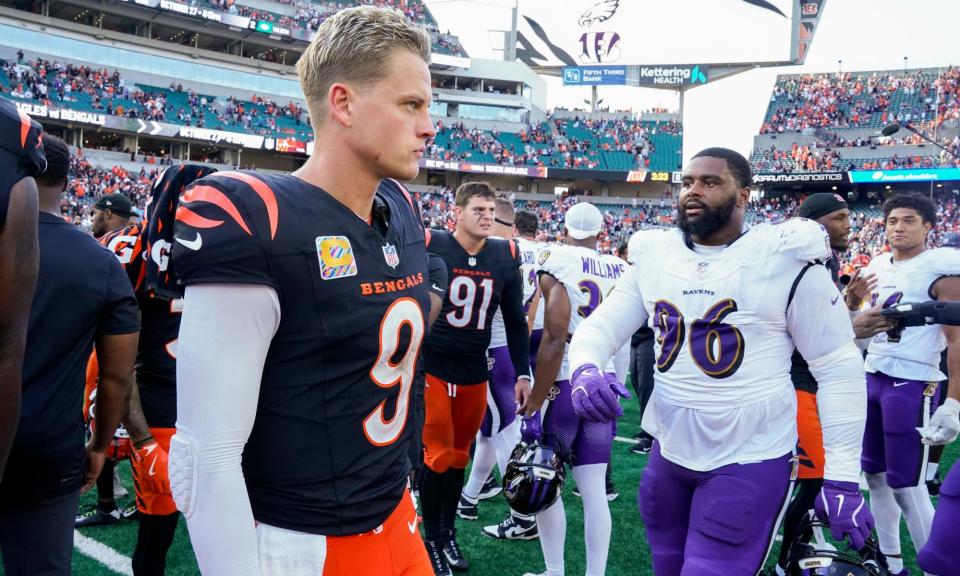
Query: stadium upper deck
(575, 142)
(262, 30)
(832, 122)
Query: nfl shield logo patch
(336, 257)
(391, 256)
(472, 261)
(702, 267)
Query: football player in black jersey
(152, 414)
(484, 275)
(305, 306)
(21, 159)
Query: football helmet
(820, 558)
(534, 478)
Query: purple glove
(595, 394)
(842, 505)
(530, 428)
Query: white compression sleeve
(610, 326)
(225, 334)
(821, 331)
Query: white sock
(484, 459)
(932, 470)
(591, 479)
(552, 524)
(886, 513)
(505, 441)
(918, 512)
(780, 571)
(895, 564)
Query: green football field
(106, 550)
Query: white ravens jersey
(588, 278)
(917, 355)
(529, 251)
(529, 257)
(723, 392)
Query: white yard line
(103, 554)
(626, 440)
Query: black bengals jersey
(156, 365)
(328, 449)
(477, 286)
(21, 151)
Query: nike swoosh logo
(438, 289)
(835, 298)
(412, 526)
(841, 498)
(152, 464)
(899, 384)
(194, 244)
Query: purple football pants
(941, 555)
(891, 443)
(578, 441)
(716, 523)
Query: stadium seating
(841, 112)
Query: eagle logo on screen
(599, 12)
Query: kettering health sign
(914, 175)
(594, 75)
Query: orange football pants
(392, 549)
(453, 416)
(810, 444)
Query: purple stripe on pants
(716, 522)
(502, 382)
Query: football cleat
(96, 516)
(643, 446)
(453, 554)
(490, 489)
(612, 493)
(534, 478)
(823, 559)
(467, 509)
(513, 528)
(933, 485)
(130, 512)
(438, 560)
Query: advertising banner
(912, 175)
(288, 146)
(218, 136)
(594, 75)
(670, 75)
(65, 114)
(458, 166)
(800, 178)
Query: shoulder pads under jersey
(804, 239)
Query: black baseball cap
(821, 204)
(116, 203)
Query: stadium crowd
(558, 143)
(309, 16)
(813, 158)
(850, 100)
(88, 183)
